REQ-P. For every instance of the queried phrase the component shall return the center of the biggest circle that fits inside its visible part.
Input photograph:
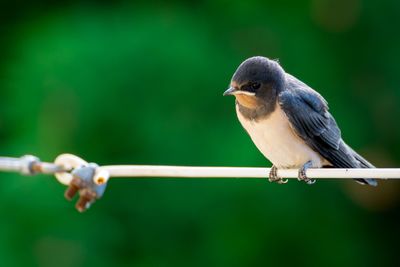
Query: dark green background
(142, 83)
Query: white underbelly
(277, 141)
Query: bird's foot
(302, 174)
(274, 178)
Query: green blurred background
(141, 83)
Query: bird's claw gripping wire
(83, 183)
(302, 175)
(273, 176)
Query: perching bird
(289, 122)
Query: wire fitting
(27, 165)
(83, 183)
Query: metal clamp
(28, 165)
(83, 183)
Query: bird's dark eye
(255, 86)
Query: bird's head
(256, 82)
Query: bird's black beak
(230, 91)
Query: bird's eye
(255, 86)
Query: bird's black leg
(302, 173)
(273, 176)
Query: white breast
(277, 141)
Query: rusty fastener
(83, 183)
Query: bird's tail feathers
(363, 164)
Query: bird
(289, 122)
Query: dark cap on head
(257, 75)
(259, 69)
(256, 84)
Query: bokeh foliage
(142, 83)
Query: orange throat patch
(247, 101)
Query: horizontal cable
(244, 172)
(10, 164)
(89, 181)
(67, 162)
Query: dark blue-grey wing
(308, 114)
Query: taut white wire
(65, 163)
(135, 171)
(244, 172)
